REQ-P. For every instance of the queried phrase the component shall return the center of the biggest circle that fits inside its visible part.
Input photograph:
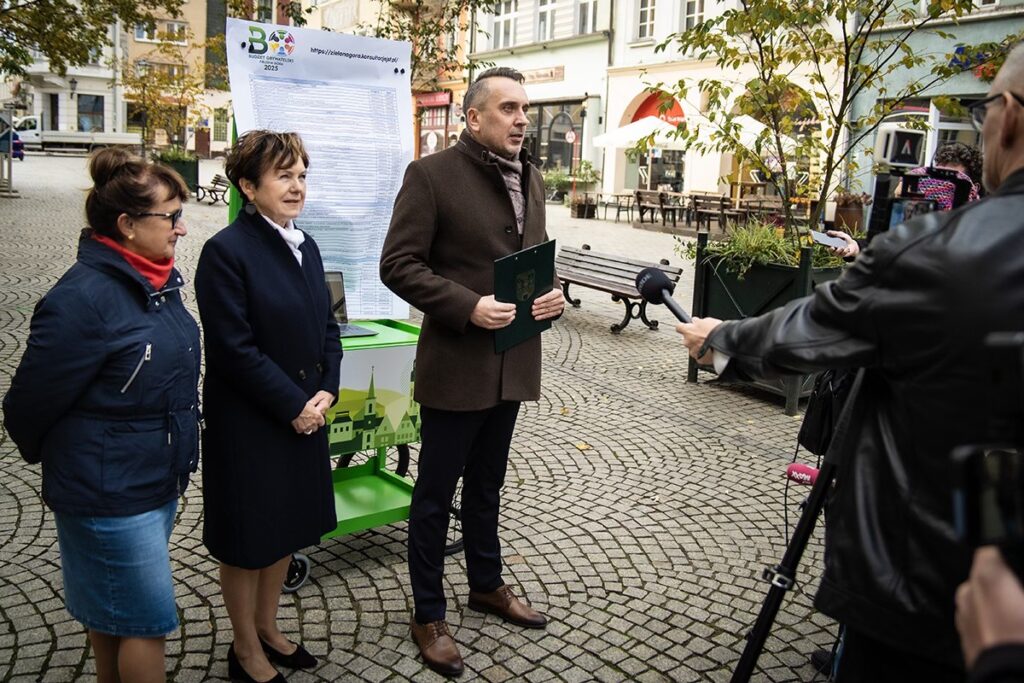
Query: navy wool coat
(271, 343)
(106, 393)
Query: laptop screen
(336, 287)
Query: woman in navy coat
(273, 359)
(106, 399)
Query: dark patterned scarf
(512, 172)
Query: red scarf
(157, 272)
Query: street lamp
(73, 82)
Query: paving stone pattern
(638, 510)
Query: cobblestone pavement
(638, 511)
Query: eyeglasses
(980, 108)
(174, 215)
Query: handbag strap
(839, 440)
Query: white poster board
(349, 98)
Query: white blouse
(292, 237)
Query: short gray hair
(477, 91)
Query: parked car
(18, 148)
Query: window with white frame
(644, 19)
(545, 20)
(451, 39)
(504, 28)
(265, 11)
(586, 17)
(986, 3)
(145, 32)
(176, 32)
(220, 125)
(693, 13)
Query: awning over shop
(652, 107)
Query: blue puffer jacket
(106, 393)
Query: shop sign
(433, 99)
(545, 75)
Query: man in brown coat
(458, 211)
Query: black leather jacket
(914, 310)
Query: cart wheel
(401, 469)
(454, 542)
(298, 572)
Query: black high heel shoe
(237, 673)
(300, 659)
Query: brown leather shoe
(437, 647)
(506, 605)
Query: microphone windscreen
(801, 473)
(651, 282)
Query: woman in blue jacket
(273, 358)
(105, 398)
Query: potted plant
(759, 267)
(850, 210)
(556, 183)
(184, 162)
(583, 202)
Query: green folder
(520, 278)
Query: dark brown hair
(258, 151)
(126, 183)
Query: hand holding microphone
(655, 287)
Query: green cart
(375, 414)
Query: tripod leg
(782, 576)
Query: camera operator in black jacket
(914, 309)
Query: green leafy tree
(166, 85)
(791, 60)
(67, 32)
(430, 26)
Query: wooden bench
(216, 191)
(608, 273)
(653, 201)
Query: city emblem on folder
(525, 282)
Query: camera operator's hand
(695, 335)
(989, 605)
(850, 250)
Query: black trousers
(865, 659)
(472, 445)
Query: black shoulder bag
(830, 392)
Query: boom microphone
(801, 473)
(655, 287)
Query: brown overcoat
(453, 217)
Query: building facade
(86, 98)
(562, 47)
(991, 21)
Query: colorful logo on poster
(281, 43)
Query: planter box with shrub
(755, 272)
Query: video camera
(899, 195)
(988, 497)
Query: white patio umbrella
(629, 135)
(748, 130)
